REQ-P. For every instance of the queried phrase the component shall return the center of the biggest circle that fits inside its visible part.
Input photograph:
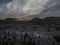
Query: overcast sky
(29, 8)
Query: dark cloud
(3, 11)
(30, 8)
(5, 1)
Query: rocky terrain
(33, 32)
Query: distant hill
(23, 19)
(47, 20)
(10, 19)
(52, 19)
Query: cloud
(3, 11)
(53, 9)
(26, 8)
(29, 7)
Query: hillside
(16, 32)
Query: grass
(23, 19)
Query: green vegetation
(23, 19)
